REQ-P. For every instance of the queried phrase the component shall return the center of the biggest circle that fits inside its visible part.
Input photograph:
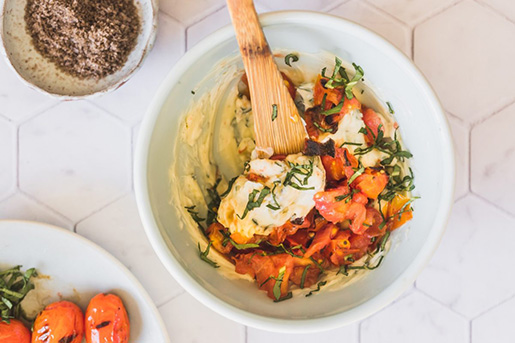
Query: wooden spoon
(277, 123)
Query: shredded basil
(356, 174)
(253, 202)
(303, 278)
(317, 125)
(319, 286)
(14, 286)
(390, 108)
(203, 255)
(274, 112)
(288, 59)
(350, 85)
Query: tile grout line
(493, 307)
(437, 13)
(109, 203)
(493, 9)
(469, 132)
(333, 6)
(165, 302)
(435, 300)
(492, 114)
(511, 215)
(47, 207)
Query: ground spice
(84, 38)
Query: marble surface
(69, 164)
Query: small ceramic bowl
(43, 75)
(423, 127)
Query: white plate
(77, 270)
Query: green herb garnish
(195, 215)
(288, 59)
(390, 108)
(319, 285)
(253, 202)
(299, 173)
(317, 125)
(203, 255)
(350, 85)
(14, 286)
(333, 110)
(229, 187)
(303, 278)
(274, 112)
(356, 174)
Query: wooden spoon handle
(277, 123)
(249, 34)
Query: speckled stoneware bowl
(43, 75)
(423, 127)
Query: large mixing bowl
(423, 127)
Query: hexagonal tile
(208, 25)
(118, 229)
(187, 320)
(457, 52)
(413, 11)
(493, 159)
(496, 325)
(8, 160)
(189, 12)
(377, 21)
(460, 133)
(350, 332)
(504, 7)
(75, 158)
(20, 206)
(415, 318)
(131, 101)
(470, 271)
(314, 5)
(19, 102)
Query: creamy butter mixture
(281, 203)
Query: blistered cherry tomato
(107, 320)
(59, 322)
(14, 332)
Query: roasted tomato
(395, 207)
(278, 234)
(107, 320)
(14, 332)
(338, 204)
(373, 122)
(59, 322)
(339, 166)
(267, 270)
(214, 232)
(371, 182)
(322, 239)
(347, 107)
(332, 96)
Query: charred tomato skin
(59, 322)
(107, 320)
(14, 332)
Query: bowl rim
(149, 44)
(364, 310)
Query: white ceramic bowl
(425, 132)
(42, 75)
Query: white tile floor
(69, 164)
